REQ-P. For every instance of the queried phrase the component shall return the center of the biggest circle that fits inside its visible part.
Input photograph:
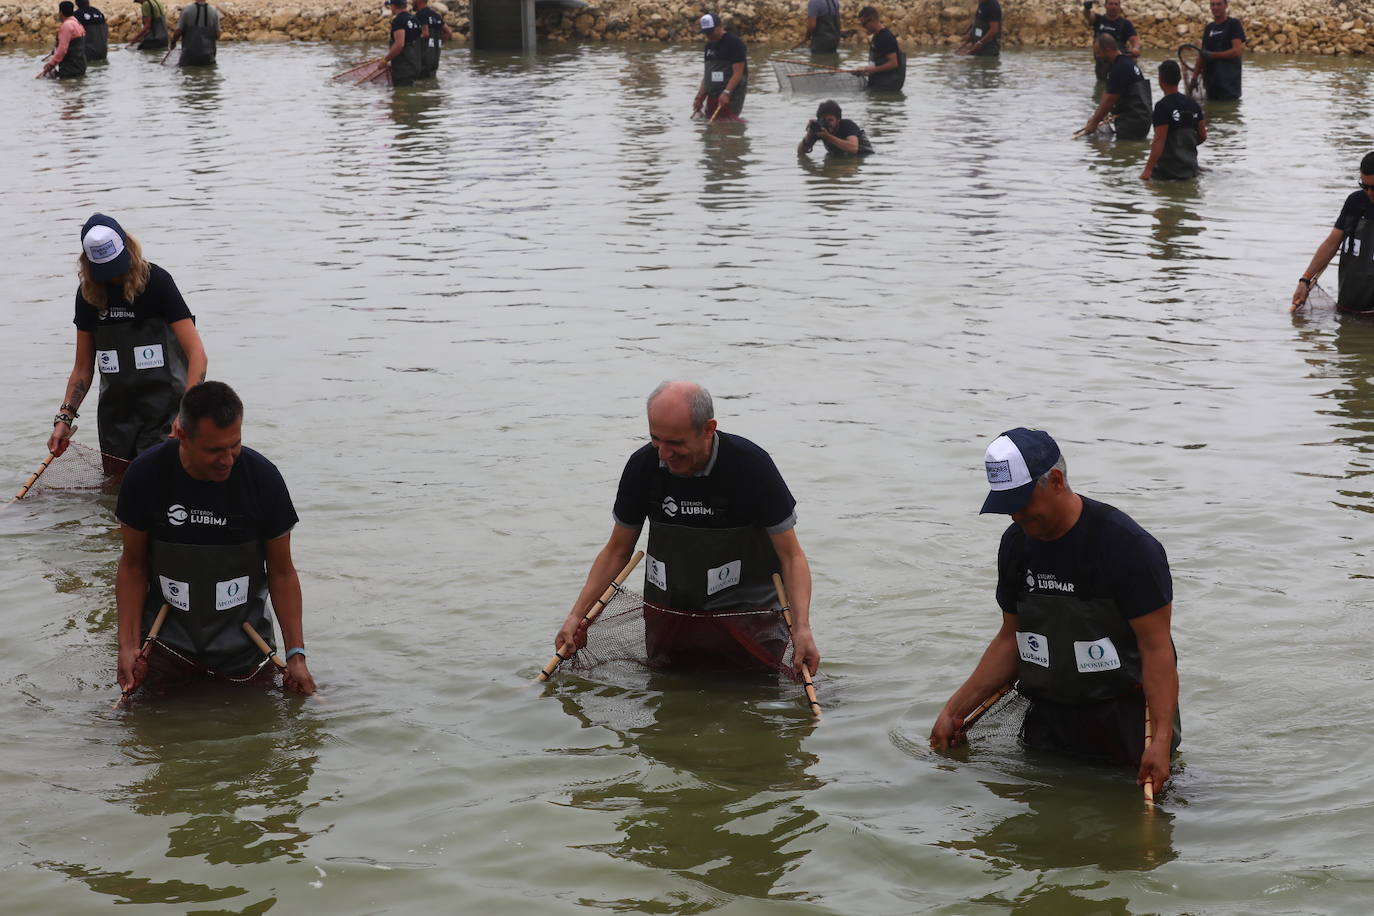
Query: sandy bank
(1287, 26)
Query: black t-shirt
(989, 11)
(881, 45)
(429, 17)
(844, 129)
(159, 299)
(1177, 110)
(1217, 36)
(1119, 28)
(741, 487)
(157, 494)
(1356, 205)
(730, 49)
(407, 22)
(1122, 74)
(1105, 555)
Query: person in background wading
(1223, 45)
(133, 325)
(984, 37)
(1115, 25)
(726, 79)
(404, 52)
(1126, 96)
(198, 30)
(888, 72)
(1179, 127)
(839, 135)
(433, 34)
(206, 525)
(97, 30)
(1086, 598)
(1353, 237)
(715, 504)
(822, 26)
(153, 35)
(69, 56)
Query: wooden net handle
(593, 612)
(807, 684)
(262, 645)
(33, 478)
(1149, 786)
(987, 704)
(147, 644)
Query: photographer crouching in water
(839, 135)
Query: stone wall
(1290, 26)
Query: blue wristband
(295, 651)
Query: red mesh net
(632, 633)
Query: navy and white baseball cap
(1013, 461)
(104, 243)
(709, 21)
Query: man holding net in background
(1179, 127)
(1115, 25)
(1126, 96)
(1223, 46)
(888, 72)
(206, 525)
(726, 79)
(721, 523)
(839, 135)
(1086, 598)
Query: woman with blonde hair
(132, 325)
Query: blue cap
(106, 247)
(1013, 462)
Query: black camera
(814, 127)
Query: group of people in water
(83, 36)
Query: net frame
(1190, 62)
(805, 78)
(80, 467)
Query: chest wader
(1179, 159)
(888, 80)
(74, 63)
(722, 578)
(1133, 112)
(1356, 292)
(431, 49)
(993, 47)
(198, 45)
(142, 377)
(717, 77)
(405, 67)
(97, 40)
(212, 591)
(1222, 80)
(157, 34)
(826, 38)
(1080, 667)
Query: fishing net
(633, 635)
(1000, 725)
(1318, 297)
(78, 468)
(808, 79)
(1190, 62)
(369, 71)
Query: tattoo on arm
(78, 392)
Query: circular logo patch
(177, 514)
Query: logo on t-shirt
(1177, 115)
(669, 506)
(178, 514)
(1048, 582)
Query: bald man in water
(721, 523)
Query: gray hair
(699, 403)
(1107, 42)
(1061, 466)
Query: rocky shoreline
(1282, 26)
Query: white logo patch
(656, 573)
(1098, 655)
(1034, 648)
(999, 471)
(231, 594)
(717, 76)
(723, 577)
(1177, 115)
(177, 594)
(107, 360)
(177, 514)
(669, 506)
(148, 357)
